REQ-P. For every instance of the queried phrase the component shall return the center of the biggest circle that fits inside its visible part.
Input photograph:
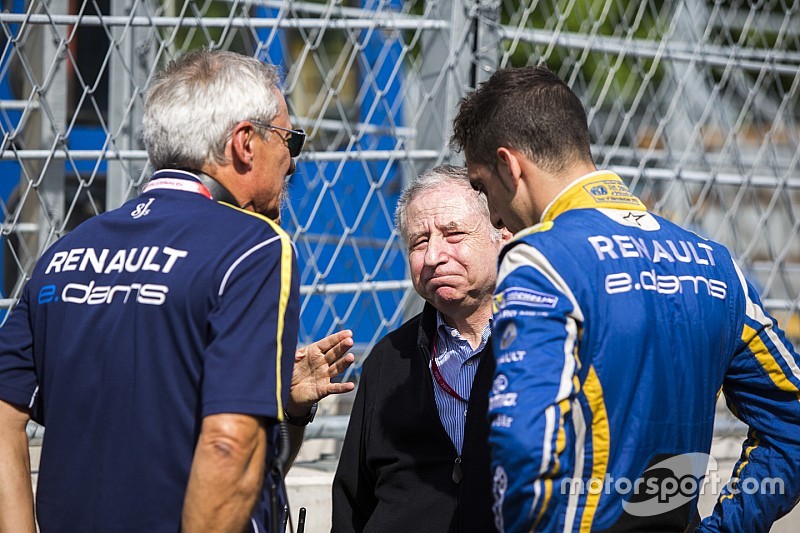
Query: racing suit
(614, 332)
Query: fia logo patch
(604, 191)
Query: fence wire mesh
(694, 103)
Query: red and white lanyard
(178, 185)
(437, 375)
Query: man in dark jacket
(416, 454)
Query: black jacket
(396, 469)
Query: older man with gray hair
(156, 342)
(416, 455)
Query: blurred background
(695, 103)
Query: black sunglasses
(295, 140)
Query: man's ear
(508, 168)
(242, 149)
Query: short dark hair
(529, 109)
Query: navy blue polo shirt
(135, 326)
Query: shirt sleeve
(762, 388)
(253, 334)
(535, 337)
(18, 383)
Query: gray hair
(193, 104)
(438, 178)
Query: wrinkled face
(273, 164)
(504, 207)
(452, 256)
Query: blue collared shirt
(458, 363)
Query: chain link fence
(694, 103)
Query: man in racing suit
(614, 331)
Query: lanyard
(437, 375)
(178, 185)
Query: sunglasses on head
(295, 140)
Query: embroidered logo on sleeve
(525, 297)
(509, 336)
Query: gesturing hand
(314, 366)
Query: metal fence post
(488, 41)
(47, 126)
(128, 74)
(446, 72)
